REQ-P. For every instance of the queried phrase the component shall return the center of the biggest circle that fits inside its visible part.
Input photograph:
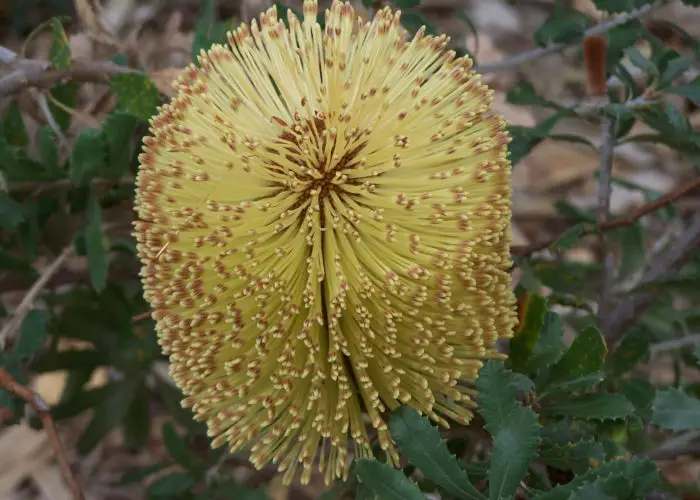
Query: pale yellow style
(324, 230)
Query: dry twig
(28, 301)
(26, 73)
(623, 221)
(8, 382)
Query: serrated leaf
(172, 485)
(110, 411)
(118, 130)
(593, 406)
(514, 447)
(496, 397)
(59, 54)
(421, 443)
(532, 309)
(581, 383)
(32, 333)
(386, 482)
(11, 213)
(690, 90)
(13, 127)
(550, 344)
(632, 349)
(94, 240)
(577, 456)
(564, 25)
(675, 410)
(87, 158)
(641, 476)
(136, 94)
(585, 356)
(641, 394)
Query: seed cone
(324, 226)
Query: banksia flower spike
(324, 226)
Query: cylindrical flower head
(324, 226)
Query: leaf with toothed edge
(387, 482)
(421, 443)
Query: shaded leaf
(178, 449)
(172, 485)
(675, 410)
(118, 131)
(564, 25)
(641, 394)
(550, 344)
(532, 310)
(209, 31)
(49, 151)
(13, 127)
(523, 94)
(136, 423)
(414, 20)
(646, 65)
(594, 406)
(66, 94)
(586, 355)
(632, 349)
(386, 482)
(690, 90)
(571, 236)
(496, 397)
(524, 139)
(633, 249)
(96, 252)
(675, 68)
(59, 54)
(87, 157)
(32, 333)
(577, 456)
(11, 214)
(138, 475)
(421, 443)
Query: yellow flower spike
(324, 227)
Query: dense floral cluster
(324, 227)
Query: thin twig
(607, 158)
(623, 221)
(8, 382)
(670, 262)
(527, 56)
(38, 73)
(50, 119)
(670, 345)
(28, 301)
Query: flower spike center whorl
(324, 227)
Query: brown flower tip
(595, 53)
(324, 227)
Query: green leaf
(386, 482)
(641, 394)
(577, 456)
(49, 151)
(421, 443)
(136, 423)
(585, 356)
(179, 451)
(675, 410)
(136, 94)
(564, 25)
(533, 309)
(407, 4)
(497, 395)
(138, 475)
(118, 131)
(60, 48)
(87, 158)
(550, 344)
(514, 447)
(615, 6)
(11, 213)
(32, 334)
(172, 485)
(633, 249)
(524, 94)
(675, 68)
(690, 90)
(98, 260)
(13, 127)
(632, 349)
(571, 236)
(414, 20)
(230, 490)
(524, 139)
(66, 360)
(208, 31)
(620, 38)
(636, 58)
(641, 476)
(66, 94)
(594, 406)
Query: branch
(607, 157)
(8, 382)
(667, 264)
(669, 345)
(599, 29)
(623, 221)
(28, 301)
(38, 73)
